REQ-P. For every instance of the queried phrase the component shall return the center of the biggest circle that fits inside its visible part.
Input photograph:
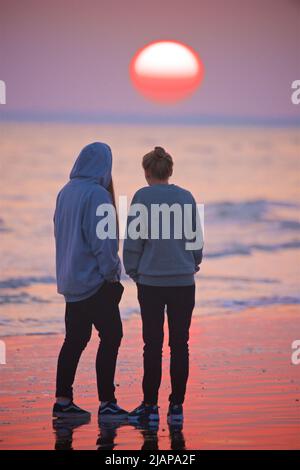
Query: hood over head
(94, 163)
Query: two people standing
(88, 275)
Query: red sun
(166, 71)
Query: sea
(248, 179)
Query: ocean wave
(260, 280)
(17, 282)
(21, 298)
(289, 224)
(257, 210)
(3, 227)
(248, 249)
(49, 326)
(241, 304)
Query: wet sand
(243, 392)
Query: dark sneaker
(144, 412)
(69, 411)
(111, 411)
(175, 413)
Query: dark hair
(111, 190)
(159, 163)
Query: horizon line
(135, 118)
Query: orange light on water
(166, 71)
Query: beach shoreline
(243, 390)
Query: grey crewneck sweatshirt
(161, 262)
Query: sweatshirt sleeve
(197, 227)
(106, 249)
(132, 248)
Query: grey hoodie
(83, 261)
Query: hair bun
(160, 151)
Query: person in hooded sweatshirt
(88, 276)
(163, 266)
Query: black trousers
(102, 311)
(180, 302)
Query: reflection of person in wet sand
(107, 438)
(108, 434)
(64, 428)
(149, 432)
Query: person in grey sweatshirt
(163, 263)
(88, 276)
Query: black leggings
(180, 301)
(102, 311)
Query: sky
(70, 58)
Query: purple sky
(72, 56)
